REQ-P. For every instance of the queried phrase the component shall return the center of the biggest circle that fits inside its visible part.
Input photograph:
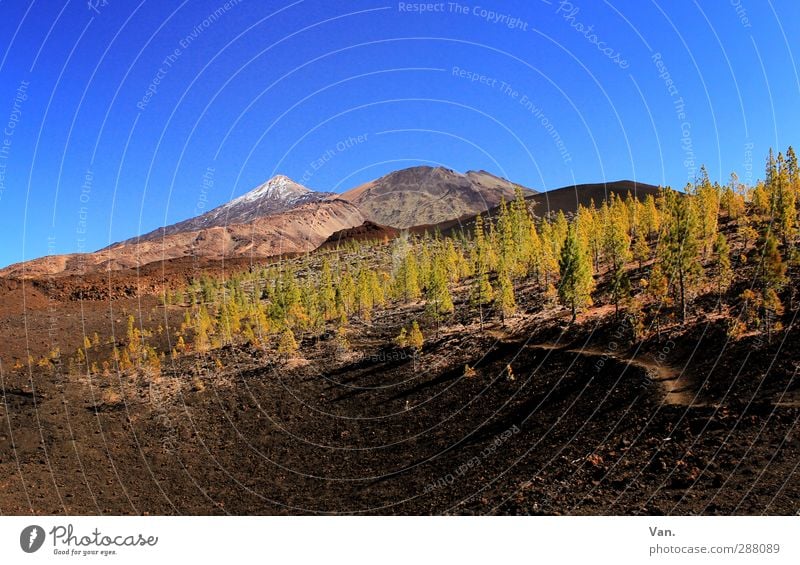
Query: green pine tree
(577, 283)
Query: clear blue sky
(94, 151)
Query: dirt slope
(568, 198)
(301, 229)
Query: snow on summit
(279, 194)
(279, 187)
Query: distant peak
(422, 170)
(279, 187)
(280, 179)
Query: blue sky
(123, 117)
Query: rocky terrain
(392, 403)
(552, 419)
(428, 195)
(300, 229)
(279, 194)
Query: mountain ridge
(277, 195)
(282, 216)
(300, 229)
(429, 195)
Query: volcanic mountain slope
(428, 195)
(303, 228)
(279, 194)
(566, 199)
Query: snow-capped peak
(279, 187)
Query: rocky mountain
(428, 195)
(565, 199)
(283, 217)
(279, 194)
(302, 228)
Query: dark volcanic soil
(573, 429)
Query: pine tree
(424, 264)
(439, 300)
(577, 283)
(342, 343)
(402, 339)
(345, 293)
(762, 200)
(747, 233)
(521, 228)
(505, 233)
(535, 256)
(588, 232)
(680, 246)
(482, 292)
(616, 249)
(452, 260)
(551, 249)
(125, 363)
(408, 278)
(415, 337)
(593, 225)
(314, 321)
(364, 295)
(731, 200)
(706, 199)
(327, 294)
(751, 303)
(657, 288)
(287, 346)
(415, 341)
(641, 249)
(203, 329)
(651, 219)
(80, 357)
(723, 274)
(785, 197)
(773, 272)
(506, 301)
(249, 335)
(134, 336)
(560, 228)
(773, 309)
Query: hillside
(279, 194)
(640, 369)
(568, 198)
(288, 391)
(428, 195)
(302, 228)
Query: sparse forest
(708, 250)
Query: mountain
(566, 199)
(428, 195)
(302, 228)
(279, 194)
(283, 217)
